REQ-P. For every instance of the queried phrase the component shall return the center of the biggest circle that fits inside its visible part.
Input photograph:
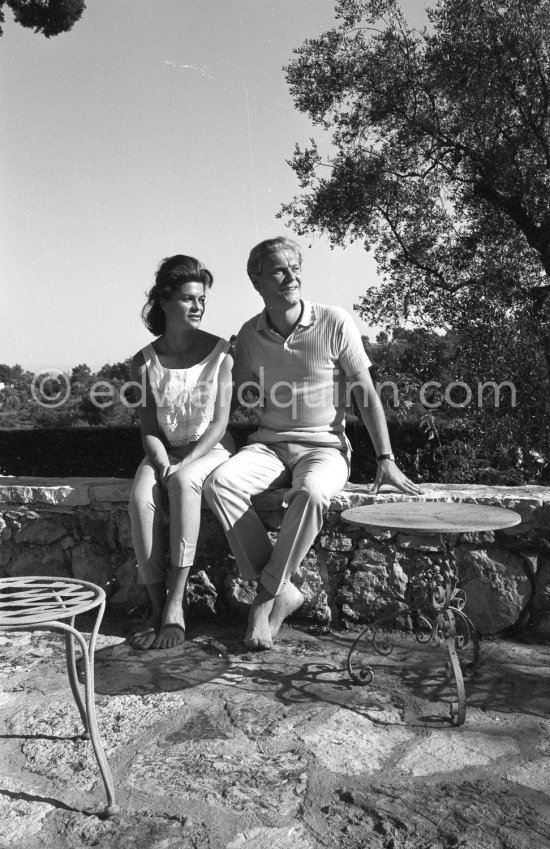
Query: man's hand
(389, 473)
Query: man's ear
(256, 282)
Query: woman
(186, 374)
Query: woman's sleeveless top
(185, 397)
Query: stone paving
(215, 747)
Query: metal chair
(36, 603)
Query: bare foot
(143, 636)
(258, 634)
(284, 604)
(172, 630)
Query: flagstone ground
(215, 747)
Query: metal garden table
(39, 604)
(433, 596)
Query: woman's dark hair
(172, 272)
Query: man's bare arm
(374, 419)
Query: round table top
(432, 517)
(34, 600)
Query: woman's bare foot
(283, 605)
(172, 629)
(258, 634)
(143, 636)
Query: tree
(441, 158)
(81, 373)
(116, 373)
(50, 17)
(80, 378)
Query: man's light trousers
(313, 473)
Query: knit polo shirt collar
(306, 319)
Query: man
(299, 355)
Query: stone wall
(79, 527)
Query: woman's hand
(390, 473)
(164, 473)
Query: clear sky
(149, 129)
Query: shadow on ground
(119, 670)
(510, 678)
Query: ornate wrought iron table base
(38, 604)
(435, 604)
(433, 600)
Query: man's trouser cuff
(274, 586)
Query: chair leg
(73, 678)
(88, 657)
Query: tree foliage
(50, 17)
(78, 399)
(479, 394)
(441, 159)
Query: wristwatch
(385, 457)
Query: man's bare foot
(143, 636)
(172, 630)
(284, 604)
(258, 634)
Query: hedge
(116, 452)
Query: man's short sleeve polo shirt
(302, 380)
